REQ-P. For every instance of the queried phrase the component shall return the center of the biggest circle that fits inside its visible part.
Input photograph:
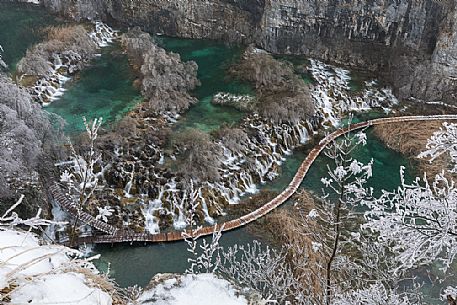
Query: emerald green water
(105, 89)
(21, 26)
(386, 167)
(213, 60)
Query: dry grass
(289, 227)
(65, 33)
(410, 139)
(103, 283)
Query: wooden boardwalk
(114, 235)
(84, 217)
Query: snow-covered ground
(31, 273)
(201, 289)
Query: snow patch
(201, 289)
(39, 273)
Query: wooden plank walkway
(68, 206)
(115, 235)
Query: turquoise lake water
(213, 60)
(105, 89)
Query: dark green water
(136, 265)
(213, 59)
(386, 167)
(21, 26)
(105, 89)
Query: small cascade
(332, 96)
(163, 197)
(129, 184)
(151, 220)
(50, 87)
(3, 65)
(55, 232)
(103, 35)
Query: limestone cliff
(412, 43)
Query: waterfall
(128, 187)
(103, 35)
(51, 86)
(332, 96)
(260, 155)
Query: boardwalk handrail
(118, 236)
(84, 217)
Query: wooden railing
(68, 206)
(115, 235)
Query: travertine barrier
(115, 235)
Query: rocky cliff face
(413, 43)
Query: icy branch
(10, 219)
(442, 142)
(420, 219)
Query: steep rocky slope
(412, 43)
(26, 148)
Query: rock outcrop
(166, 80)
(26, 148)
(282, 95)
(411, 43)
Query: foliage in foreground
(357, 257)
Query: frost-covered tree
(203, 257)
(32, 271)
(263, 269)
(11, 220)
(450, 294)
(83, 171)
(377, 294)
(328, 255)
(442, 142)
(166, 79)
(335, 232)
(419, 220)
